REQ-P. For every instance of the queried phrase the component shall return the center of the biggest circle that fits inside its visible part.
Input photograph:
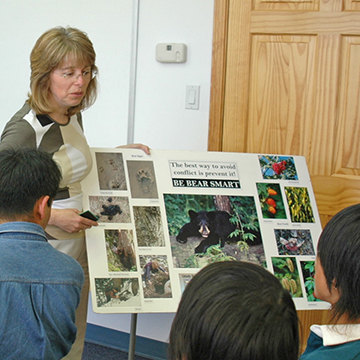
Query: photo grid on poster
(164, 216)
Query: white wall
(108, 25)
(161, 120)
(161, 117)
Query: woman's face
(68, 84)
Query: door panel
(281, 93)
(348, 161)
(286, 5)
(352, 5)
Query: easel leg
(132, 342)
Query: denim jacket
(39, 292)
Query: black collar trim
(44, 120)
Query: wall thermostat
(171, 53)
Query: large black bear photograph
(208, 228)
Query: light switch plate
(192, 97)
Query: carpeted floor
(98, 352)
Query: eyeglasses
(72, 76)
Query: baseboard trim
(149, 348)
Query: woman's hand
(70, 221)
(142, 147)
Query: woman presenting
(62, 84)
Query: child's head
(338, 264)
(235, 310)
(155, 264)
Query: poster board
(147, 246)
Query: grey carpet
(98, 352)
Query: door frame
(218, 74)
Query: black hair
(338, 252)
(235, 310)
(25, 176)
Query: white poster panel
(164, 216)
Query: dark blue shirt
(39, 292)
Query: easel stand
(132, 342)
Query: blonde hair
(49, 52)
(155, 264)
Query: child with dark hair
(337, 281)
(40, 287)
(235, 310)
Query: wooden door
(286, 80)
